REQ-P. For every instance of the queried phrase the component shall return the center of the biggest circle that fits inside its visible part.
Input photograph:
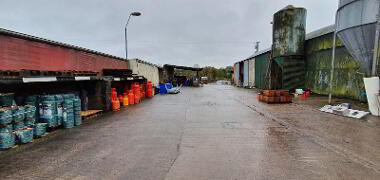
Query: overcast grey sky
(182, 32)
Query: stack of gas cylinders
(137, 92)
(133, 96)
(150, 89)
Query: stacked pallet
(275, 96)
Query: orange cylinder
(131, 97)
(137, 98)
(136, 88)
(150, 93)
(114, 94)
(142, 93)
(115, 105)
(125, 100)
(149, 89)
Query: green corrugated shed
(293, 72)
(261, 65)
(347, 81)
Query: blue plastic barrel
(169, 85)
(163, 89)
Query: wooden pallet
(274, 100)
(90, 113)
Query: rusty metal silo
(287, 66)
(289, 32)
(356, 27)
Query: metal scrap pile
(344, 110)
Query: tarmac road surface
(214, 132)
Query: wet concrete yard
(213, 132)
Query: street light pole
(333, 58)
(126, 32)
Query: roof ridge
(57, 43)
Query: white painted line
(82, 78)
(39, 79)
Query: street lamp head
(136, 14)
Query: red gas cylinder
(115, 105)
(136, 88)
(149, 93)
(137, 93)
(114, 94)
(137, 98)
(121, 99)
(131, 97)
(150, 89)
(143, 95)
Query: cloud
(183, 32)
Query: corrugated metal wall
(148, 71)
(261, 64)
(241, 73)
(234, 74)
(318, 50)
(292, 72)
(16, 54)
(246, 72)
(347, 81)
(237, 73)
(251, 73)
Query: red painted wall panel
(16, 54)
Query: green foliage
(211, 73)
(214, 74)
(187, 73)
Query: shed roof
(311, 35)
(257, 54)
(320, 32)
(145, 62)
(38, 39)
(260, 53)
(183, 67)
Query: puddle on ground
(278, 131)
(236, 125)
